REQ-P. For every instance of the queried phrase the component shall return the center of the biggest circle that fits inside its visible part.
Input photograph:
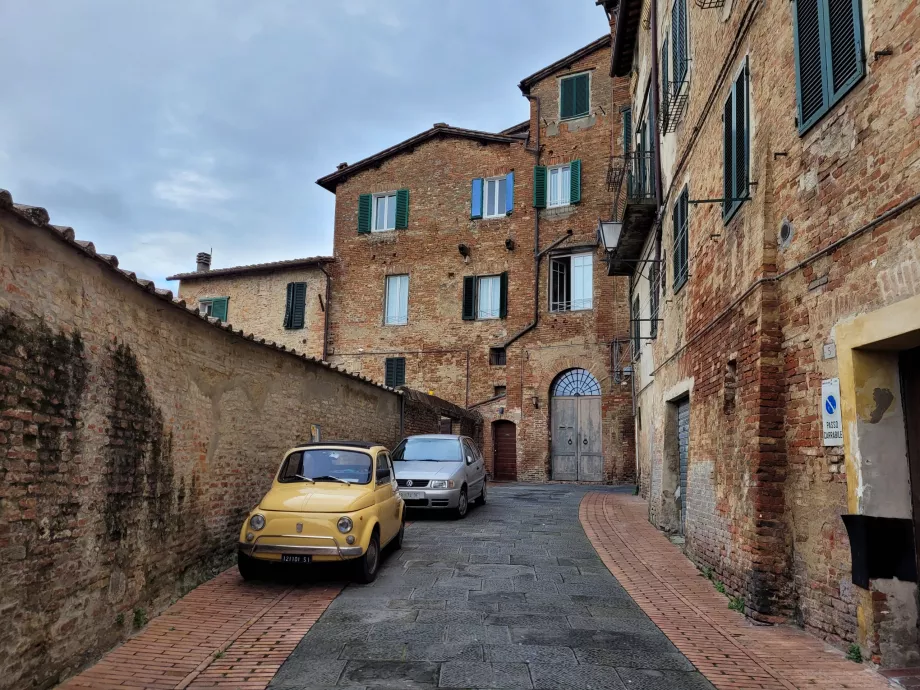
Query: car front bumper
(430, 498)
(324, 552)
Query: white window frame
(390, 199)
(493, 295)
(500, 181)
(205, 306)
(587, 284)
(402, 309)
(564, 194)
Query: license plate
(412, 494)
(295, 558)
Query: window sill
(377, 232)
(389, 325)
(570, 311)
(498, 217)
(575, 117)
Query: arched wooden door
(504, 450)
(576, 428)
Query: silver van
(440, 471)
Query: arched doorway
(576, 427)
(504, 450)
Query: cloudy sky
(160, 129)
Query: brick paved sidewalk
(724, 645)
(224, 634)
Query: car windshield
(326, 465)
(430, 449)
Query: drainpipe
(326, 315)
(653, 11)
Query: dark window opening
(395, 372)
(731, 384)
(497, 357)
(500, 390)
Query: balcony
(633, 178)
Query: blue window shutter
(575, 180)
(509, 194)
(844, 33)
(402, 209)
(476, 199)
(539, 186)
(365, 203)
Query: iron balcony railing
(634, 180)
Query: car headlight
(442, 484)
(345, 524)
(257, 522)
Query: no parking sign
(830, 412)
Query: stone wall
(257, 303)
(134, 437)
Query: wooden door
(565, 439)
(504, 450)
(590, 453)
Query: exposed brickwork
(134, 436)
(224, 634)
(765, 496)
(257, 303)
(727, 648)
(450, 356)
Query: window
(575, 96)
(428, 450)
(636, 328)
(497, 356)
(395, 371)
(295, 306)
(495, 191)
(489, 292)
(214, 306)
(735, 146)
(571, 284)
(653, 286)
(500, 390)
(485, 297)
(731, 383)
(829, 58)
(348, 465)
(396, 311)
(681, 240)
(560, 185)
(384, 212)
(384, 476)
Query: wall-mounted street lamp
(608, 234)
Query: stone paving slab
(514, 596)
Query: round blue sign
(830, 404)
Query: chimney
(203, 261)
(341, 166)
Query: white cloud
(188, 189)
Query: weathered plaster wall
(134, 436)
(257, 303)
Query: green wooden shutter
(665, 86)
(567, 99)
(653, 298)
(582, 94)
(219, 308)
(289, 306)
(727, 159)
(575, 180)
(299, 305)
(539, 186)
(400, 371)
(740, 154)
(389, 372)
(503, 295)
(402, 209)
(679, 39)
(469, 298)
(627, 130)
(365, 203)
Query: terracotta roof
(527, 82)
(439, 129)
(254, 268)
(39, 218)
(520, 128)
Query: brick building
(283, 301)
(770, 236)
(467, 265)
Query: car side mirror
(469, 460)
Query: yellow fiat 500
(331, 501)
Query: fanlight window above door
(576, 382)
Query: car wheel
(250, 568)
(400, 535)
(463, 504)
(369, 563)
(482, 497)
